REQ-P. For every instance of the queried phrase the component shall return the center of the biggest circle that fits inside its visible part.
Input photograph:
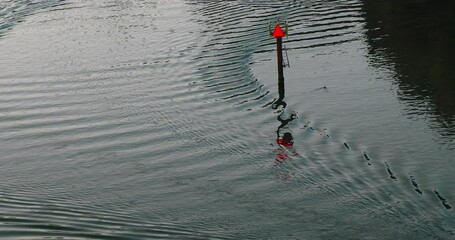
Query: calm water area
(162, 119)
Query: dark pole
(279, 49)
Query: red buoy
(278, 32)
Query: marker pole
(279, 49)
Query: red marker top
(278, 32)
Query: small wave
(28, 217)
(14, 12)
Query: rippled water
(130, 119)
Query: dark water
(154, 120)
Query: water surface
(154, 119)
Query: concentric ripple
(133, 119)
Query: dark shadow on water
(416, 39)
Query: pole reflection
(284, 136)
